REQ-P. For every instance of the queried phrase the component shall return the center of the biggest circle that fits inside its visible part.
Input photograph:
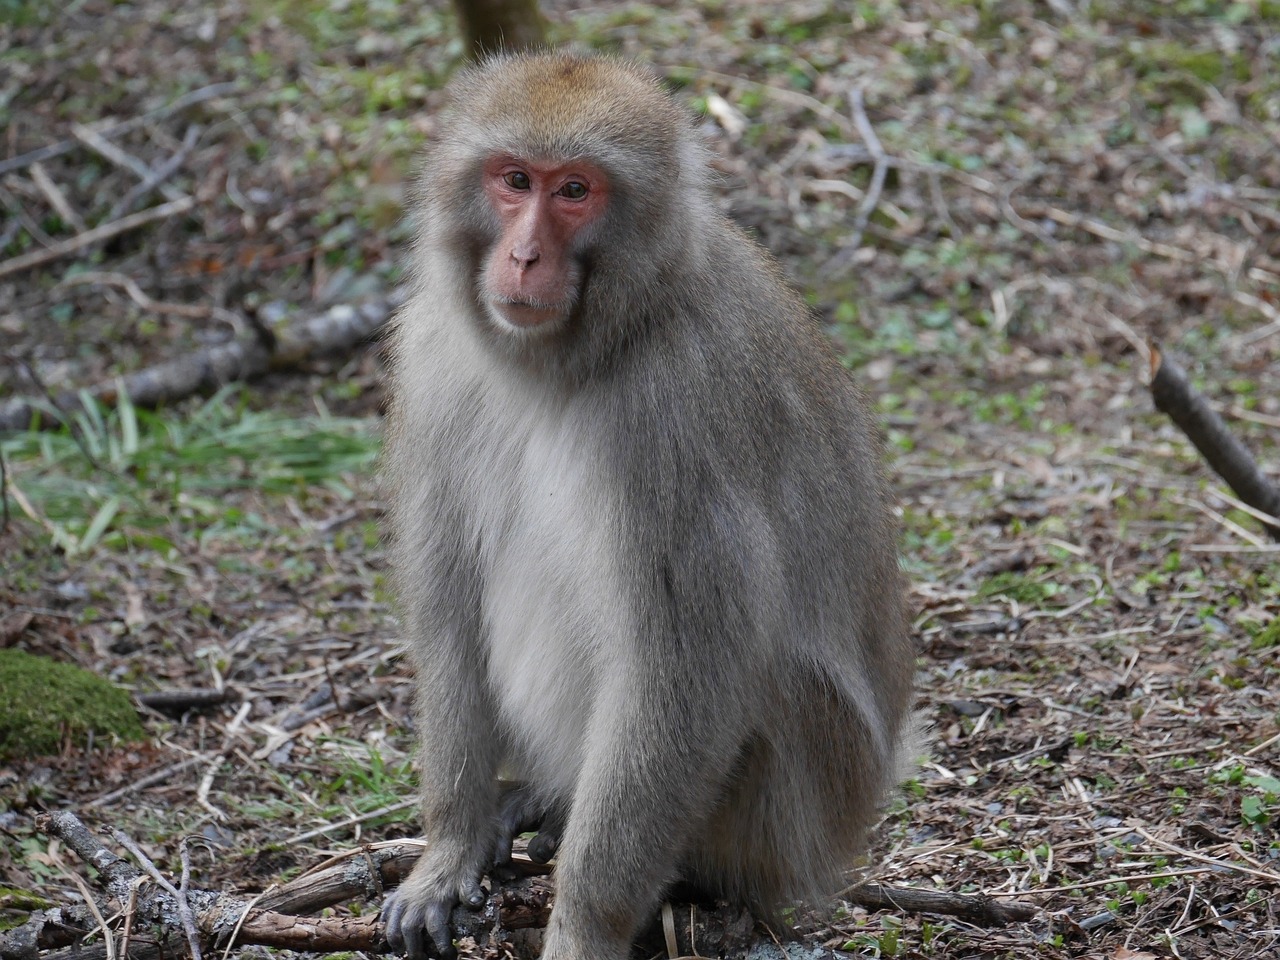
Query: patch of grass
(127, 477)
(1031, 589)
(365, 780)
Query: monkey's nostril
(525, 256)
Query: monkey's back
(775, 536)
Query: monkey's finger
(437, 925)
(502, 847)
(543, 847)
(471, 893)
(392, 909)
(414, 943)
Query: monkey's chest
(552, 602)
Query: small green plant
(1261, 809)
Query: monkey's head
(559, 181)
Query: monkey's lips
(525, 314)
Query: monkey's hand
(520, 809)
(422, 903)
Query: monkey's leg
(458, 762)
(651, 779)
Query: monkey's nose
(525, 256)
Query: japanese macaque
(643, 549)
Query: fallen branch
(178, 702)
(1175, 397)
(975, 907)
(336, 329)
(518, 907)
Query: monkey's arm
(458, 746)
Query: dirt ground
(1064, 185)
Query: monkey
(642, 542)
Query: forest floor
(1066, 184)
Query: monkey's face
(533, 274)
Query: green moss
(46, 703)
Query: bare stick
(121, 158)
(179, 894)
(57, 199)
(150, 780)
(4, 493)
(874, 147)
(66, 146)
(103, 232)
(180, 701)
(1174, 396)
(158, 175)
(189, 311)
(108, 939)
(23, 218)
(977, 907)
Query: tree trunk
(490, 26)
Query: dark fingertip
(502, 853)
(444, 944)
(543, 847)
(437, 924)
(414, 945)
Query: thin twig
(158, 175)
(189, 311)
(206, 782)
(1212, 861)
(4, 492)
(57, 199)
(244, 915)
(120, 157)
(1219, 519)
(77, 434)
(185, 913)
(21, 216)
(867, 133)
(130, 911)
(351, 821)
(1105, 881)
(184, 903)
(108, 940)
(150, 780)
(103, 232)
(66, 146)
(1269, 519)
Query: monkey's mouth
(526, 314)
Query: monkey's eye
(573, 190)
(517, 180)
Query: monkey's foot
(419, 908)
(520, 810)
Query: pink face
(531, 278)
